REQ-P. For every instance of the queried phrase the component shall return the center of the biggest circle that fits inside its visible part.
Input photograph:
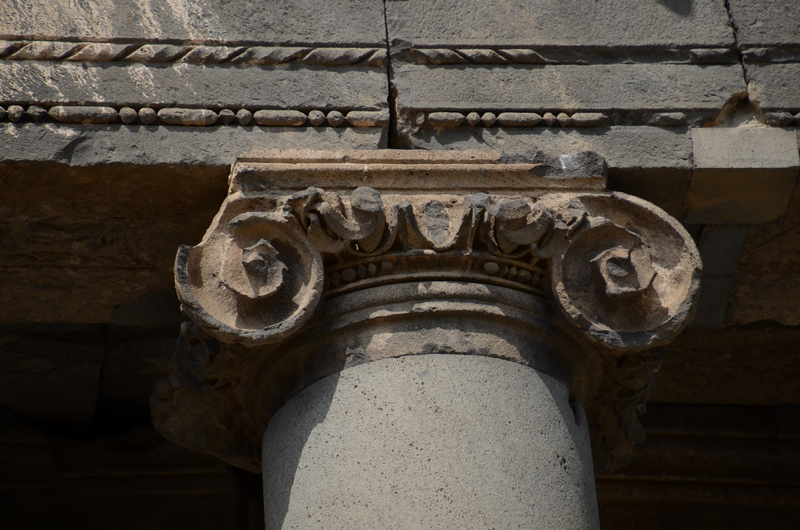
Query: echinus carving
(302, 228)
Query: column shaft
(430, 441)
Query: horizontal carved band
(101, 115)
(551, 55)
(188, 53)
(597, 249)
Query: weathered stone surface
(286, 21)
(759, 23)
(193, 85)
(431, 441)
(648, 162)
(77, 242)
(201, 117)
(567, 87)
(713, 302)
(283, 255)
(741, 175)
(51, 373)
(213, 147)
(767, 283)
(623, 147)
(720, 247)
(774, 86)
(746, 365)
(84, 115)
(555, 22)
(665, 119)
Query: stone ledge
(193, 85)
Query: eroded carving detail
(623, 274)
(628, 276)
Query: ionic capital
(305, 237)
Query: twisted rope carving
(194, 54)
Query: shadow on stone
(282, 451)
(683, 8)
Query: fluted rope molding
(190, 53)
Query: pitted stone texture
(193, 85)
(772, 23)
(558, 22)
(595, 87)
(767, 285)
(774, 86)
(392, 260)
(433, 441)
(284, 21)
(141, 146)
(742, 175)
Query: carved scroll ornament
(619, 269)
(622, 274)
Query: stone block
(50, 373)
(666, 188)
(720, 247)
(713, 302)
(735, 365)
(138, 145)
(566, 87)
(155, 310)
(758, 23)
(558, 23)
(744, 451)
(741, 175)
(193, 85)
(77, 242)
(649, 162)
(623, 147)
(768, 280)
(80, 239)
(285, 21)
(774, 86)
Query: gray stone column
(430, 441)
(436, 354)
(448, 405)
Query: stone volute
(420, 339)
